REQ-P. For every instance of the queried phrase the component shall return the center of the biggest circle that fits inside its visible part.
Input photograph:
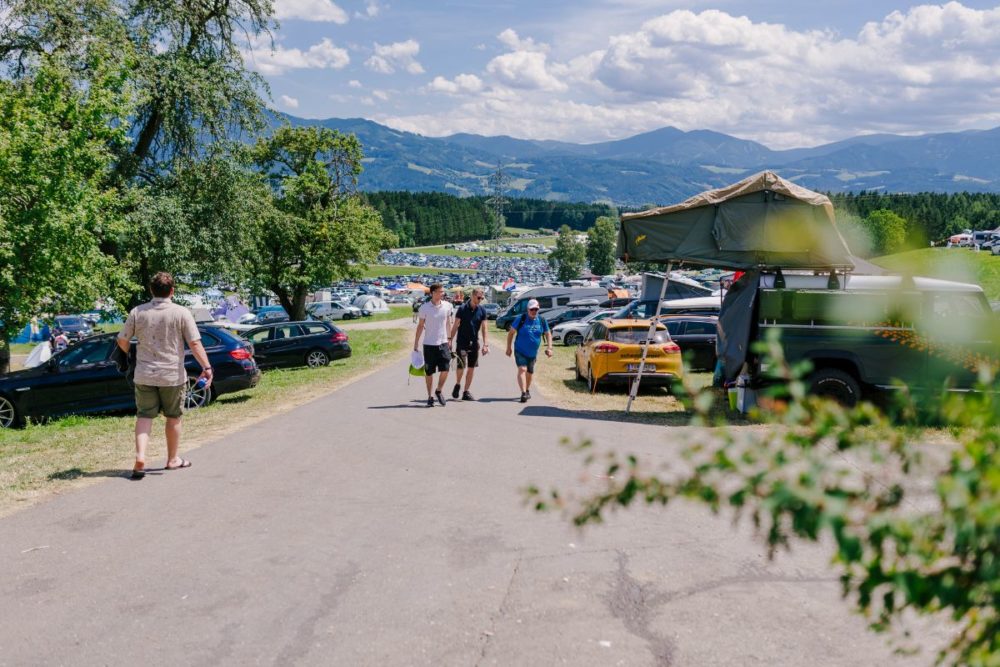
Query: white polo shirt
(436, 320)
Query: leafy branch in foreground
(824, 471)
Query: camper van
(548, 299)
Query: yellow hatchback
(612, 350)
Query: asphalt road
(367, 529)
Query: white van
(333, 310)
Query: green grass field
(381, 270)
(441, 250)
(47, 458)
(395, 312)
(960, 264)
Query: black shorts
(467, 355)
(437, 358)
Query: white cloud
(371, 10)
(931, 67)
(354, 83)
(398, 55)
(463, 83)
(380, 95)
(278, 60)
(289, 102)
(310, 10)
(510, 39)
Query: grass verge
(441, 250)
(556, 380)
(395, 313)
(43, 459)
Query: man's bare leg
(468, 378)
(173, 433)
(527, 380)
(521, 371)
(442, 380)
(429, 381)
(143, 427)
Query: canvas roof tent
(761, 221)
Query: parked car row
(84, 378)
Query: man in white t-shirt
(434, 320)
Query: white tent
(371, 304)
(39, 355)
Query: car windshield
(70, 321)
(637, 335)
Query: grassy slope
(381, 270)
(49, 458)
(959, 264)
(441, 250)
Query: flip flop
(184, 464)
(138, 472)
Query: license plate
(648, 367)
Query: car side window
(545, 302)
(600, 332)
(703, 328)
(949, 306)
(315, 329)
(561, 301)
(89, 352)
(258, 336)
(210, 340)
(674, 327)
(285, 331)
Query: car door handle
(23, 389)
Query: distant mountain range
(666, 165)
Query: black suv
(312, 344)
(84, 378)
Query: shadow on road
(660, 418)
(415, 403)
(77, 473)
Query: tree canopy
(602, 239)
(569, 256)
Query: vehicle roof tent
(761, 221)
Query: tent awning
(761, 221)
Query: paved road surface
(367, 529)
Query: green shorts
(151, 401)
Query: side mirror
(52, 364)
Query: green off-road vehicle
(867, 334)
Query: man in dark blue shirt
(470, 325)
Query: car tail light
(339, 337)
(671, 348)
(606, 348)
(240, 354)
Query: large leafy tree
(317, 229)
(184, 62)
(56, 141)
(601, 240)
(569, 255)
(887, 231)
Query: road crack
(501, 609)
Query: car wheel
(835, 384)
(572, 338)
(195, 397)
(317, 359)
(591, 380)
(8, 413)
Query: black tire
(317, 359)
(197, 398)
(835, 384)
(572, 338)
(8, 413)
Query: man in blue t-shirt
(469, 326)
(531, 330)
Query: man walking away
(434, 320)
(531, 330)
(470, 325)
(161, 328)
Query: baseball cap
(532, 304)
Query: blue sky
(585, 71)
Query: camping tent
(371, 304)
(762, 221)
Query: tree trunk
(298, 311)
(4, 354)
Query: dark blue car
(84, 379)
